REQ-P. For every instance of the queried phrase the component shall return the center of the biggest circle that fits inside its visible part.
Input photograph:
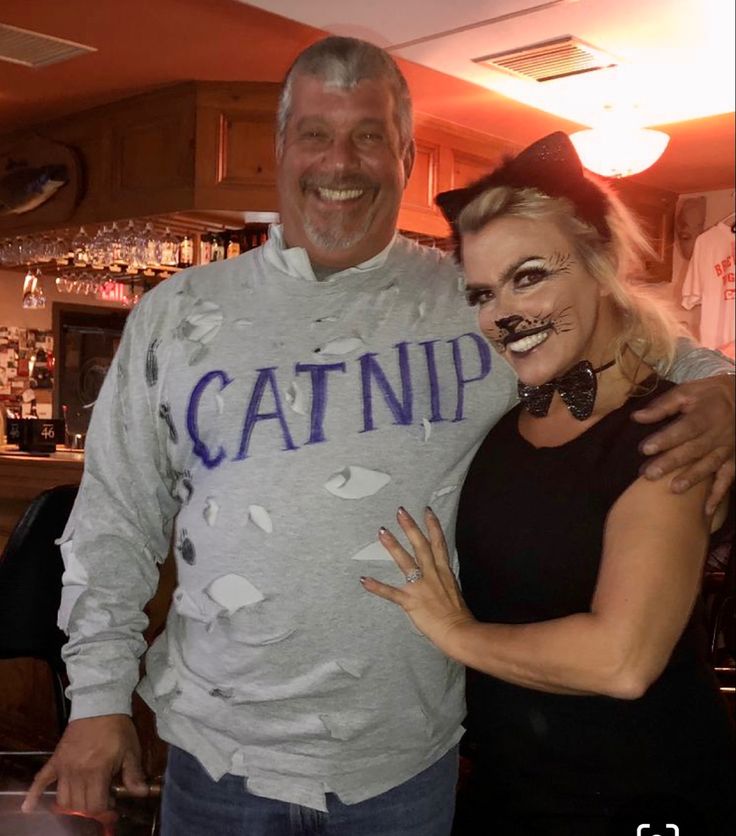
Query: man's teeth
(339, 194)
(527, 343)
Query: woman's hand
(432, 600)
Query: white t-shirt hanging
(710, 283)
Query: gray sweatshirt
(271, 423)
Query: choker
(577, 388)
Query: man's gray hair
(343, 63)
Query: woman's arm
(654, 547)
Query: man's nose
(342, 153)
(509, 323)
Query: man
(272, 411)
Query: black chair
(31, 567)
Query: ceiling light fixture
(619, 151)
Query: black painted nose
(509, 323)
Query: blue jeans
(195, 805)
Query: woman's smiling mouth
(526, 342)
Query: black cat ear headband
(550, 166)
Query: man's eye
(478, 297)
(370, 136)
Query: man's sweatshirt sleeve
(118, 531)
(693, 362)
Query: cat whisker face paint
(535, 301)
(518, 328)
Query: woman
(591, 705)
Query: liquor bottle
(233, 246)
(152, 247)
(205, 248)
(169, 249)
(186, 251)
(218, 248)
(115, 247)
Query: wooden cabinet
(448, 157)
(199, 147)
(235, 141)
(195, 146)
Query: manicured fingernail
(363, 579)
(429, 510)
(680, 486)
(649, 448)
(382, 530)
(653, 473)
(402, 511)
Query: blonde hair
(648, 328)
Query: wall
(718, 205)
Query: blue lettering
(266, 377)
(484, 355)
(369, 368)
(318, 373)
(200, 448)
(434, 382)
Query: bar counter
(25, 475)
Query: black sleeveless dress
(530, 536)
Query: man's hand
(702, 438)
(90, 753)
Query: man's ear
(409, 156)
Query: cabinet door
(448, 157)
(418, 212)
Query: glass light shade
(619, 152)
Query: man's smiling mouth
(339, 195)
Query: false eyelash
(560, 263)
(473, 297)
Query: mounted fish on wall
(41, 184)
(23, 188)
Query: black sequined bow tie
(577, 388)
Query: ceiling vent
(558, 58)
(31, 49)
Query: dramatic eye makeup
(478, 295)
(524, 273)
